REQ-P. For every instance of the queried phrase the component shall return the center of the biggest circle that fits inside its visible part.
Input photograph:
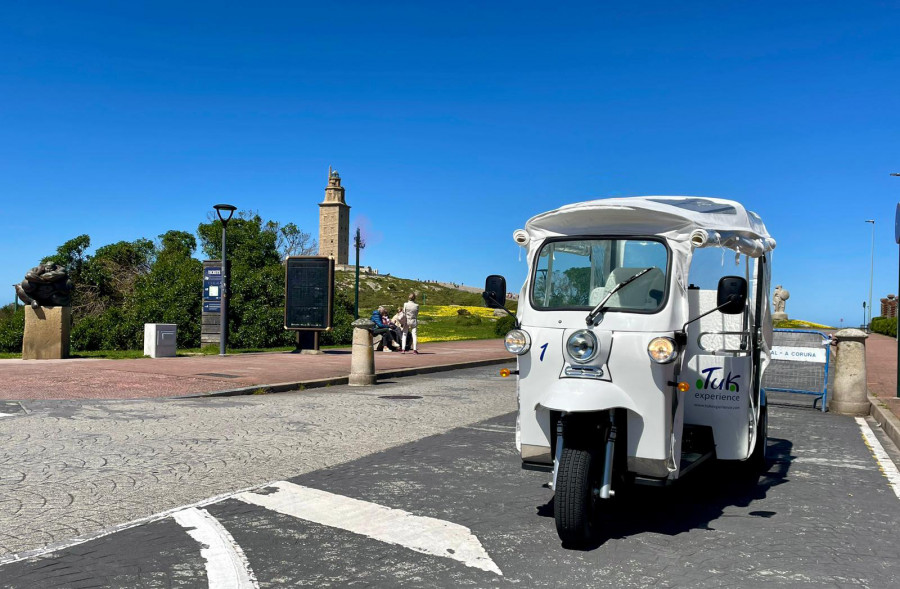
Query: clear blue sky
(453, 123)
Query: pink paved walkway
(881, 369)
(170, 377)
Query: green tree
(171, 291)
(256, 293)
(107, 279)
(291, 241)
(71, 255)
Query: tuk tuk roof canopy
(703, 221)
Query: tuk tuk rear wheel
(575, 503)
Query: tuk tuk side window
(579, 273)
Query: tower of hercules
(334, 221)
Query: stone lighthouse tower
(334, 221)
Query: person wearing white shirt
(411, 311)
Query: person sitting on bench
(387, 335)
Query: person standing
(411, 310)
(399, 324)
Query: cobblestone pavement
(72, 468)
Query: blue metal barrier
(798, 365)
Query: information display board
(212, 287)
(211, 316)
(309, 293)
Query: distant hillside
(393, 291)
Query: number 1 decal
(543, 351)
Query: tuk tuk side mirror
(494, 294)
(731, 296)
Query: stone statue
(778, 299)
(47, 285)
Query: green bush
(12, 326)
(342, 331)
(885, 325)
(504, 324)
(468, 320)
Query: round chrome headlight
(517, 342)
(662, 350)
(582, 346)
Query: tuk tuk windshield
(580, 273)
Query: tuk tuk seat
(645, 293)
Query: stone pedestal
(781, 316)
(849, 396)
(46, 333)
(362, 361)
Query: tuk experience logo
(728, 383)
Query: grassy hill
(447, 312)
(393, 291)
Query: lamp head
(226, 208)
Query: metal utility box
(159, 339)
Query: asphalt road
(432, 496)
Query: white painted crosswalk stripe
(226, 565)
(394, 526)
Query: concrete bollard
(850, 395)
(362, 360)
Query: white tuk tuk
(632, 365)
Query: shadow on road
(694, 502)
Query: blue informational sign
(212, 284)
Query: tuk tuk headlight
(517, 342)
(662, 350)
(582, 346)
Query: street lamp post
(359, 244)
(871, 272)
(223, 308)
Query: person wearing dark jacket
(386, 333)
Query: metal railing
(800, 362)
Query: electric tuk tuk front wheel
(575, 504)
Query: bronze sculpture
(47, 285)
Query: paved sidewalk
(146, 378)
(881, 367)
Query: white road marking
(6, 414)
(394, 526)
(884, 461)
(226, 565)
(833, 463)
(493, 429)
(56, 547)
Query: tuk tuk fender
(571, 397)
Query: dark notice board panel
(309, 292)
